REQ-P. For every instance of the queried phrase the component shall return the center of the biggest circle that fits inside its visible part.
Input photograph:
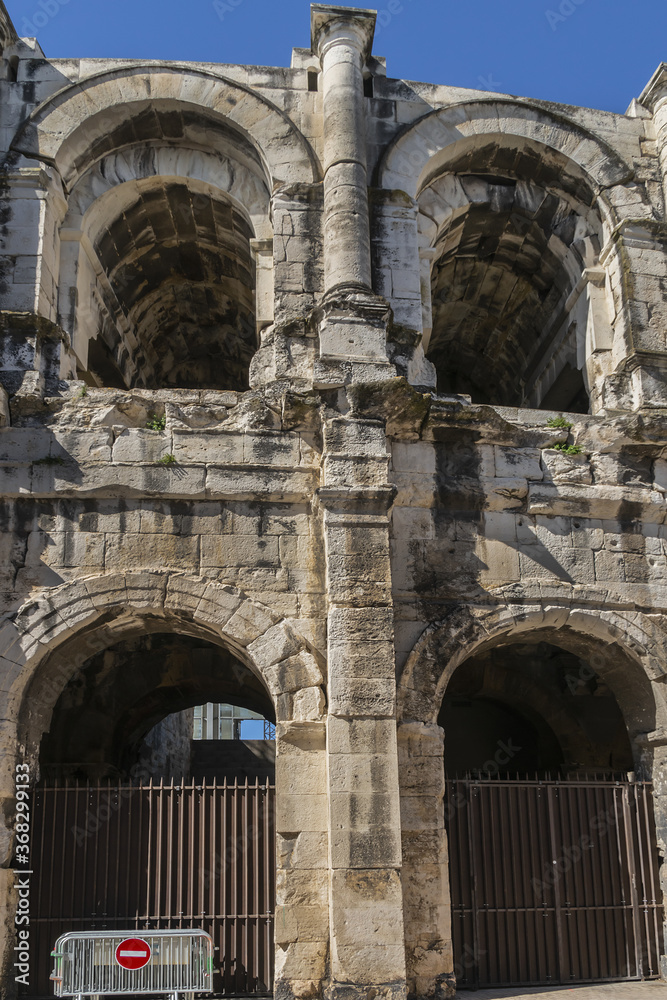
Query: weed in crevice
(155, 423)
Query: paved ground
(608, 991)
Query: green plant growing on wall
(167, 460)
(567, 449)
(559, 422)
(50, 460)
(155, 423)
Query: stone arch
(515, 276)
(184, 292)
(444, 645)
(38, 653)
(71, 622)
(135, 166)
(63, 129)
(422, 150)
(164, 236)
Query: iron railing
(113, 857)
(553, 881)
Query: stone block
(364, 438)
(135, 445)
(272, 450)
(362, 847)
(362, 696)
(153, 551)
(361, 659)
(562, 468)
(277, 644)
(309, 705)
(249, 622)
(413, 456)
(360, 624)
(360, 736)
(297, 813)
(239, 550)
(516, 463)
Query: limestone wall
(331, 527)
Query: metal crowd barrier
(178, 963)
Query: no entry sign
(133, 954)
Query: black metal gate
(553, 882)
(156, 857)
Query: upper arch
(421, 150)
(66, 125)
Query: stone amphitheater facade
(403, 351)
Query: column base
(35, 359)
(355, 991)
(443, 987)
(353, 325)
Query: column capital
(333, 25)
(655, 91)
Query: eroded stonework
(334, 383)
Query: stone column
(343, 44)
(366, 912)
(654, 98)
(353, 325)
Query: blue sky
(598, 53)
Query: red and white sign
(133, 954)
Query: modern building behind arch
(342, 400)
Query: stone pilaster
(425, 874)
(302, 866)
(366, 918)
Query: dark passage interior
(522, 710)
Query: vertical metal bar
(646, 823)
(622, 879)
(256, 877)
(632, 874)
(470, 811)
(551, 800)
(268, 882)
(224, 886)
(234, 882)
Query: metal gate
(553, 882)
(154, 857)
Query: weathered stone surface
(227, 295)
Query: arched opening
(553, 863)
(158, 283)
(157, 842)
(511, 237)
(122, 695)
(528, 710)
